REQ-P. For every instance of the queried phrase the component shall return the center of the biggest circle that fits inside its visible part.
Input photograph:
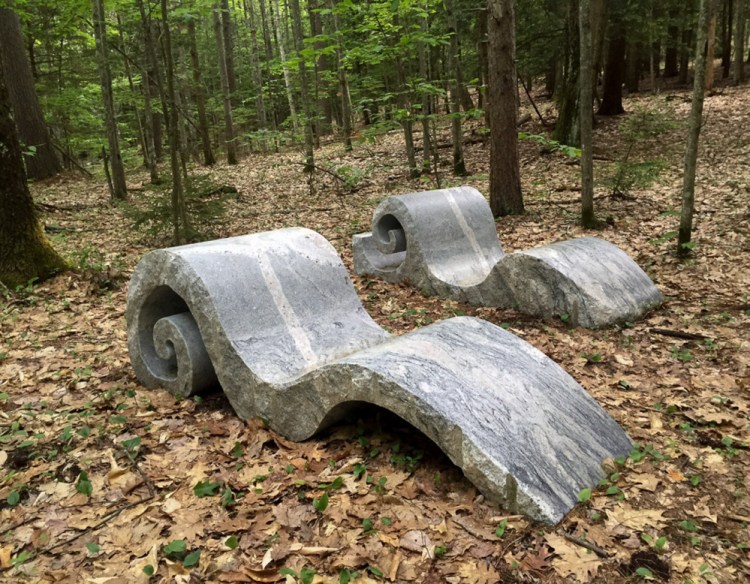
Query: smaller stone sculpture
(274, 319)
(445, 243)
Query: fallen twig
(588, 545)
(679, 334)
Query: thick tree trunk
(119, 188)
(568, 126)
(586, 102)
(25, 253)
(200, 98)
(303, 85)
(695, 121)
(41, 161)
(505, 176)
(739, 41)
(229, 137)
(613, 75)
(454, 68)
(633, 66)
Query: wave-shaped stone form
(445, 243)
(275, 319)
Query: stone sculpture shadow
(445, 243)
(274, 318)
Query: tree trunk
(406, 122)
(505, 176)
(673, 43)
(426, 110)
(41, 161)
(260, 102)
(303, 84)
(739, 41)
(454, 69)
(687, 36)
(229, 137)
(200, 97)
(727, 20)
(586, 102)
(284, 68)
(119, 188)
(696, 118)
(633, 66)
(226, 33)
(613, 75)
(25, 253)
(179, 212)
(346, 114)
(711, 50)
(568, 126)
(482, 54)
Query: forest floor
(106, 481)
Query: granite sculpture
(274, 319)
(445, 243)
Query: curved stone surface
(275, 318)
(445, 243)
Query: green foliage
(304, 576)
(205, 203)
(552, 145)
(206, 488)
(83, 484)
(643, 131)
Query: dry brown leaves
(75, 419)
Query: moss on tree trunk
(25, 252)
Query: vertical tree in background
(284, 67)
(148, 110)
(685, 232)
(454, 70)
(739, 41)
(226, 33)
(32, 129)
(586, 114)
(25, 252)
(229, 135)
(710, 51)
(119, 188)
(303, 85)
(568, 126)
(200, 96)
(505, 175)
(179, 211)
(614, 71)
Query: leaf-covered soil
(104, 480)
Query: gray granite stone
(275, 319)
(445, 243)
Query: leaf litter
(105, 481)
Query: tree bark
(454, 69)
(695, 121)
(586, 101)
(506, 197)
(739, 42)
(711, 50)
(727, 20)
(226, 33)
(119, 187)
(284, 68)
(613, 75)
(304, 88)
(200, 98)
(229, 137)
(346, 114)
(426, 106)
(32, 129)
(179, 211)
(673, 43)
(568, 126)
(25, 253)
